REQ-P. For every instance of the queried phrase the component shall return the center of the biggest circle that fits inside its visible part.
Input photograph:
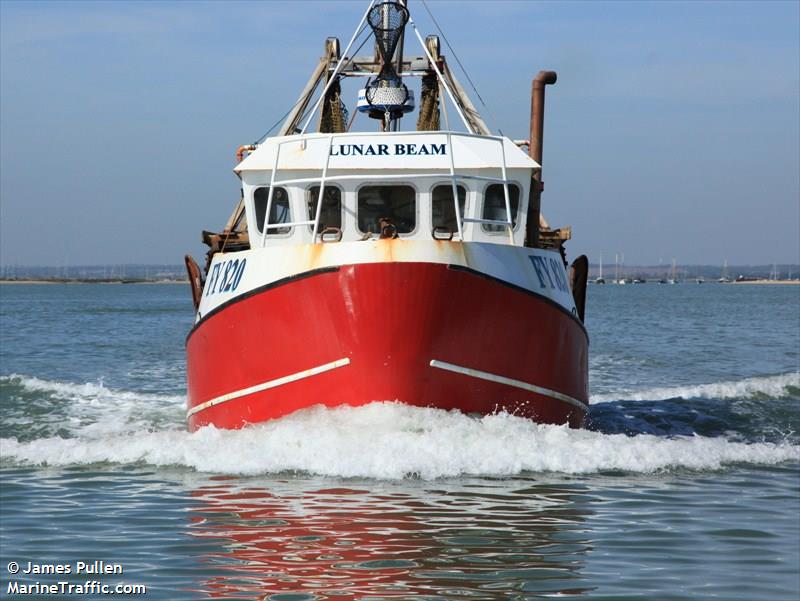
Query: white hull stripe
(485, 375)
(267, 385)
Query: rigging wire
(361, 25)
(347, 63)
(286, 114)
(349, 59)
(455, 56)
(357, 50)
(432, 62)
(444, 106)
(301, 99)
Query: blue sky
(673, 130)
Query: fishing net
(386, 93)
(333, 119)
(387, 20)
(429, 104)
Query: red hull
(390, 320)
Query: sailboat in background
(599, 279)
(618, 268)
(673, 278)
(622, 279)
(724, 278)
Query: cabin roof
(390, 150)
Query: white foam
(84, 392)
(392, 441)
(94, 410)
(771, 386)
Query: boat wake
(92, 424)
(769, 387)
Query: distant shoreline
(67, 281)
(767, 282)
(760, 282)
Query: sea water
(685, 485)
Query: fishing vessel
(391, 263)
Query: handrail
(387, 176)
(502, 222)
(457, 213)
(276, 225)
(269, 196)
(505, 193)
(300, 138)
(321, 195)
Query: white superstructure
(410, 178)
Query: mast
(394, 124)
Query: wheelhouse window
(396, 204)
(494, 206)
(331, 212)
(443, 208)
(280, 211)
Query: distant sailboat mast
(724, 277)
(599, 279)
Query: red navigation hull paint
(390, 320)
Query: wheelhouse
(386, 185)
